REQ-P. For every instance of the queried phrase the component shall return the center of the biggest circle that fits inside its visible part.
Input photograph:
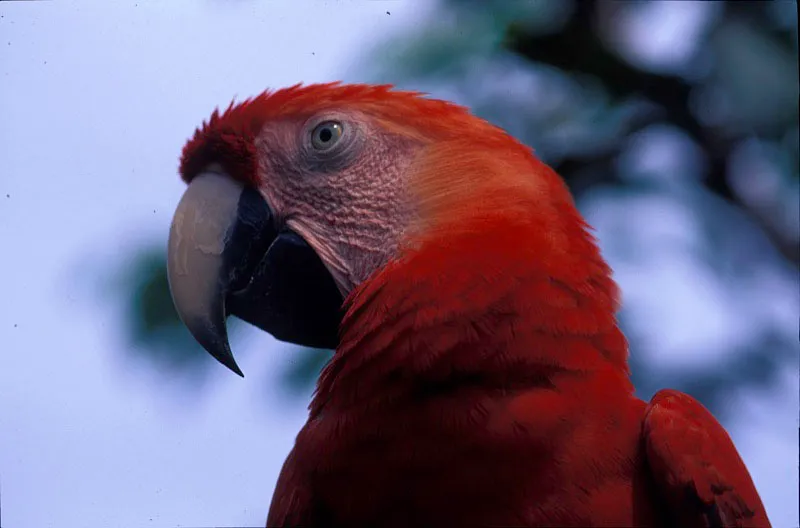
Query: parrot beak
(226, 256)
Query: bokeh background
(674, 123)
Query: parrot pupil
(325, 135)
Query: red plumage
(482, 378)
(535, 424)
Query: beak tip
(235, 368)
(228, 361)
(212, 335)
(224, 356)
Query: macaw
(480, 377)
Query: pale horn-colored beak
(217, 222)
(226, 256)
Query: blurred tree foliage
(600, 89)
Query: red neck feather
(496, 303)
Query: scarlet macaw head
(296, 197)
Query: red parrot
(480, 377)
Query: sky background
(96, 101)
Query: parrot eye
(326, 135)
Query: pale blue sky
(96, 101)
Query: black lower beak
(226, 257)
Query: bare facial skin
(346, 197)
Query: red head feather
(228, 138)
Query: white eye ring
(326, 135)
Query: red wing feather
(696, 467)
